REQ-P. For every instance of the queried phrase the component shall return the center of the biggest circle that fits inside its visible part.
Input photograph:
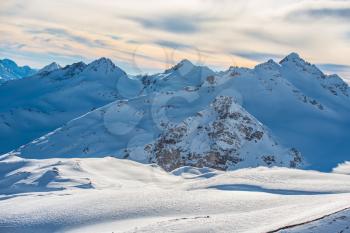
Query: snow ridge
(154, 118)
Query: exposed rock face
(221, 137)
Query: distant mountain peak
(104, 65)
(296, 61)
(8, 62)
(74, 69)
(186, 62)
(102, 61)
(10, 70)
(293, 55)
(54, 64)
(270, 64)
(184, 66)
(271, 61)
(49, 68)
(75, 65)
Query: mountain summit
(276, 114)
(49, 68)
(10, 70)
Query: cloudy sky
(147, 36)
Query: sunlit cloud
(63, 33)
(149, 36)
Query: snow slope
(171, 125)
(338, 222)
(301, 106)
(298, 106)
(49, 68)
(34, 106)
(10, 70)
(112, 195)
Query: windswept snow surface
(112, 195)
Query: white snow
(112, 195)
(297, 105)
(337, 222)
(37, 105)
(73, 117)
(9, 70)
(49, 68)
(343, 168)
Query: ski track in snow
(338, 223)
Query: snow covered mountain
(302, 106)
(224, 136)
(288, 113)
(172, 124)
(10, 70)
(192, 122)
(49, 68)
(34, 106)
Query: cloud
(334, 67)
(347, 35)
(218, 28)
(116, 37)
(263, 35)
(100, 43)
(38, 58)
(133, 42)
(320, 13)
(257, 56)
(171, 44)
(342, 70)
(184, 24)
(11, 45)
(63, 33)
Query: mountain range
(275, 114)
(10, 70)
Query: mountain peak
(291, 57)
(54, 64)
(102, 61)
(10, 70)
(186, 62)
(8, 62)
(104, 65)
(51, 67)
(270, 64)
(294, 61)
(184, 65)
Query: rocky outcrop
(221, 137)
